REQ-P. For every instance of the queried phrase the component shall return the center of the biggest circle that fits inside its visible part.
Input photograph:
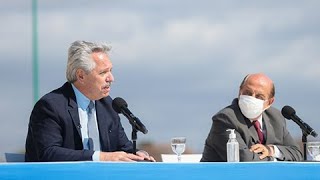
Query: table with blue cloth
(159, 170)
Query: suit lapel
(73, 111)
(252, 131)
(73, 108)
(269, 129)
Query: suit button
(110, 130)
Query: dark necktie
(257, 126)
(93, 133)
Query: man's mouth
(107, 86)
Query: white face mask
(250, 107)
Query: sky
(176, 63)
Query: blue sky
(176, 63)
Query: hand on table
(119, 156)
(126, 157)
(145, 156)
(265, 150)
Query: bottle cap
(232, 135)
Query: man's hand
(119, 156)
(145, 156)
(266, 150)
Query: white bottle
(232, 147)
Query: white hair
(79, 57)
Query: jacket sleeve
(289, 148)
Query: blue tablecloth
(108, 170)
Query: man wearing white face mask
(260, 129)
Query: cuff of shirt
(277, 153)
(96, 156)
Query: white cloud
(300, 57)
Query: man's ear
(239, 93)
(80, 75)
(271, 101)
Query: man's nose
(110, 78)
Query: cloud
(231, 35)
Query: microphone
(289, 113)
(121, 106)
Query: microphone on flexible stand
(121, 106)
(289, 113)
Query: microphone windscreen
(118, 103)
(288, 112)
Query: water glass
(178, 145)
(314, 150)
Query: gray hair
(79, 57)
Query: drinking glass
(178, 145)
(314, 150)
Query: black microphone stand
(134, 138)
(134, 135)
(304, 142)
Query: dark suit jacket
(54, 129)
(232, 118)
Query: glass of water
(314, 150)
(178, 145)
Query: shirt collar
(82, 100)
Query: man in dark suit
(76, 122)
(260, 129)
